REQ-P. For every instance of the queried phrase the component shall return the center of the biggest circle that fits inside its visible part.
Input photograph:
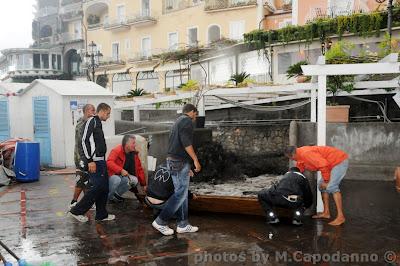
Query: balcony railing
(67, 37)
(212, 5)
(176, 5)
(70, 2)
(95, 26)
(46, 11)
(141, 18)
(116, 24)
(105, 61)
(73, 7)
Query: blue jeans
(96, 193)
(118, 184)
(177, 204)
(337, 174)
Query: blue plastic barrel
(27, 161)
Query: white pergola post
(201, 106)
(136, 114)
(387, 65)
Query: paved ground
(34, 225)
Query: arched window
(214, 33)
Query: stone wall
(258, 147)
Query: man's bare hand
(323, 185)
(124, 172)
(92, 167)
(191, 174)
(197, 166)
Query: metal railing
(223, 4)
(144, 16)
(116, 23)
(70, 37)
(169, 6)
(73, 7)
(95, 26)
(70, 2)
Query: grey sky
(16, 23)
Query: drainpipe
(260, 11)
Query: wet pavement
(34, 225)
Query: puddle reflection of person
(327, 239)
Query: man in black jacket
(92, 154)
(292, 192)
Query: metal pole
(390, 17)
(92, 59)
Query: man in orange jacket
(124, 169)
(333, 164)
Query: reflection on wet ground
(34, 225)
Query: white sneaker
(187, 229)
(80, 218)
(163, 229)
(73, 205)
(110, 217)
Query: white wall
(21, 120)
(69, 127)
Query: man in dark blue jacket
(180, 155)
(92, 154)
(292, 192)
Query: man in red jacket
(124, 169)
(333, 164)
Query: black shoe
(272, 218)
(118, 197)
(297, 222)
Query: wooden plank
(231, 204)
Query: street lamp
(390, 15)
(93, 57)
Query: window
(145, 8)
(340, 7)
(36, 60)
(236, 30)
(214, 33)
(78, 30)
(45, 60)
(193, 40)
(115, 51)
(121, 13)
(146, 47)
(54, 61)
(285, 60)
(173, 41)
(128, 46)
(59, 62)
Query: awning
(170, 67)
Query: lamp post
(390, 15)
(93, 57)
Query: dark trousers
(270, 199)
(97, 192)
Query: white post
(321, 128)
(313, 115)
(136, 114)
(201, 106)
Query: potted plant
(340, 53)
(295, 71)
(239, 78)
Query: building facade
(130, 35)
(57, 33)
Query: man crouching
(292, 192)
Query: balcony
(117, 25)
(170, 6)
(70, 2)
(141, 56)
(46, 11)
(68, 37)
(141, 19)
(71, 8)
(219, 5)
(110, 61)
